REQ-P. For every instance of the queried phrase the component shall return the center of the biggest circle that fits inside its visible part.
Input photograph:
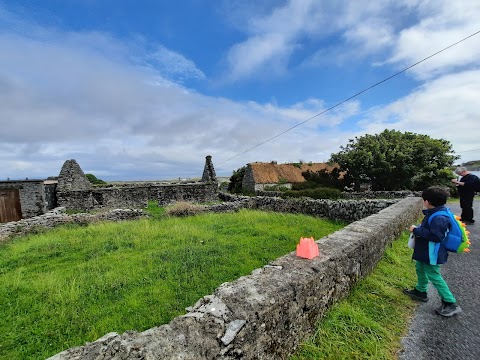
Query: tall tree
(393, 160)
(235, 185)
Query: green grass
(371, 321)
(73, 284)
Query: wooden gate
(10, 209)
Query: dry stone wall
(266, 314)
(136, 196)
(209, 171)
(344, 210)
(71, 177)
(58, 217)
(381, 194)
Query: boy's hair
(436, 195)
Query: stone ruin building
(71, 189)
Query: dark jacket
(468, 189)
(428, 235)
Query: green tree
(235, 185)
(393, 160)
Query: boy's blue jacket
(428, 237)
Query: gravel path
(434, 337)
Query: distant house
(259, 175)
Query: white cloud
(171, 63)
(446, 108)
(442, 23)
(400, 32)
(86, 96)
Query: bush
(183, 208)
(275, 188)
(316, 193)
(304, 185)
(94, 180)
(235, 184)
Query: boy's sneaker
(416, 295)
(448, 309)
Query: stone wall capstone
(268, 313)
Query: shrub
(94, 180)
(304, 185)
(183, 208)
(235, 184)
(275, 188)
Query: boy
(429, 252)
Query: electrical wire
(351, 97)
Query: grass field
(74, 284)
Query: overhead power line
(353, 96)
(464, 151)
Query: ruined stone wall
(268, 313)
(209, 171)
(103, 198)
(248, 181)
(58, 217)
(356, 195)
(343, 210)
(194, 192)
(71, 177)
(50, 191)
(32, 196)
(381, 194)
(136, 196)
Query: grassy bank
(74, 284)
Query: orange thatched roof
(268, 173)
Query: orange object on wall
(307, 248)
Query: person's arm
(436, 230)
(469, 182)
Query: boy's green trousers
(426, 273)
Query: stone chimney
(209, 172)
(72, 177)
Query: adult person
(466, 189)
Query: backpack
(476, 184)
(456, 238)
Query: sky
(146, 89)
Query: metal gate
(10, 209)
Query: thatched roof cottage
(258, 175)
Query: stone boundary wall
(136, 196)
(381, 194)
(357, 195)
(268, 313)
(343, 210)
(58, 217)
(348, 211)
